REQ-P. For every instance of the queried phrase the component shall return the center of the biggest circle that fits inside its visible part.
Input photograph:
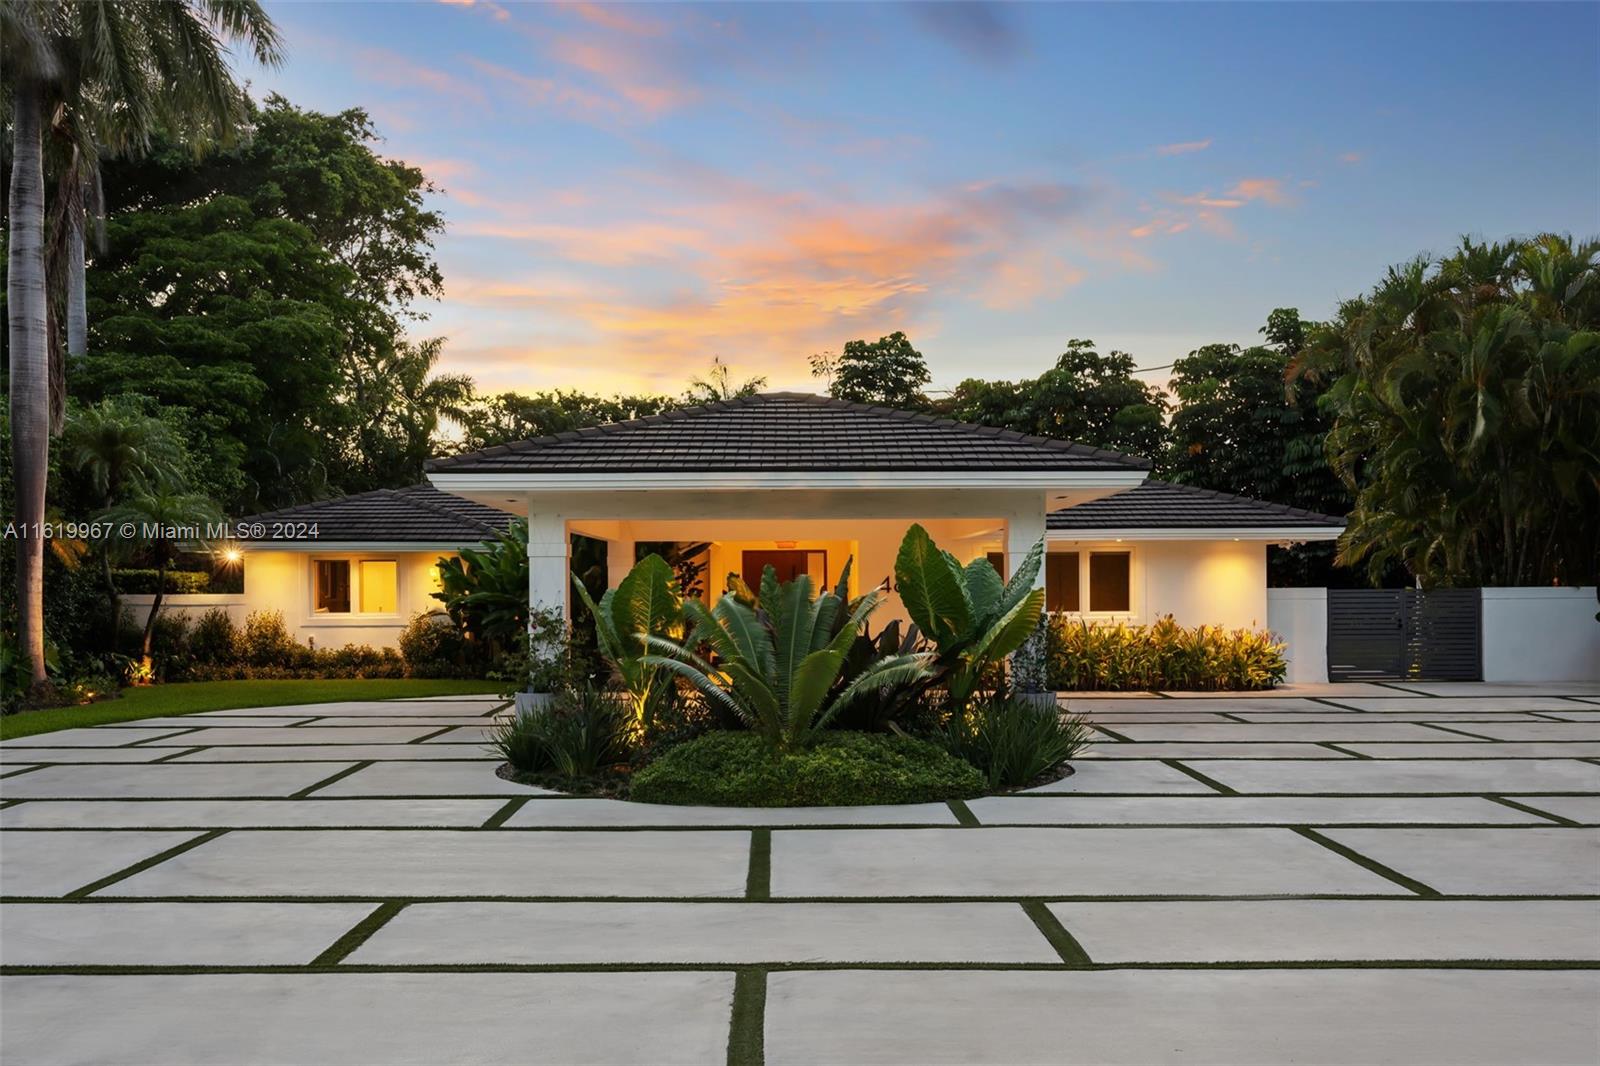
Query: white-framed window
(355, 586)
(1089, 581)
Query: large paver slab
(1553, 861)
(602, 813)
(1126, 776)
(1501, 688)
(1574, 716)
(1579, 808)
(10, 757)
(373, 721)
(1477, 776)
(1224, 1017)
(1184, 749)
(1222, 810)
(228, 814)
(335, 753)
(308, 734)
(377, 708)
(1329, 929)
(432, 779)
(1192, 1017)
(1059, 862)
(1302, 732)
(733, 933)
(98, 737)
(173, 934)
(169, 780)
(1481, 750)
(53, 864)
(1454, 705)
(358, 1019)
(408, 862)
(472, 734)
(1306, 690)
(1569, 731)
(1162, 708)
(191, 721)
(1370, 717)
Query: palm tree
(121, 452)
(718, 385)
(110, 73)
(159, 518)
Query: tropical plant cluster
(1163, 655)
(780, 695)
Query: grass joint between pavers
(144, 864)
(1066, 945)
(963, 813)
(1372, 864)
(747, 1026)
(758, 881)
(358, 934)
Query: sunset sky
(631, 190)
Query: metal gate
(1389, 634)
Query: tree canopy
(887, 371)
(1466, 399)
(1086, 397)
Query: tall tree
(888, 371)
(1238, 426)
(1086, 397)
(120, 70)
(1466, 402)
(510, 416)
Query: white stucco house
(793, 480)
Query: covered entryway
(1410, 634)
(783, 478)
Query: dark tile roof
(1164, 505)
(785, 431)
(420, 513)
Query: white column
(1025, 528)
(619, 560)
(549, 569)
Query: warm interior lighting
(784, 544)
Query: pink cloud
(1351, 157)
(1268, 190)
(1183, 147)
(497, 12)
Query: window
(370, 586)
(332, 595)
(1061, 581)
(1108, 581)
(998, 561)
(380, 586)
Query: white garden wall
(1300, 619)
(1540, 634)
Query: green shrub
(265, 640)
(1012, 741)
(432, 646)
(214, 639)
(727, 769)
(1165, 655)
(584, 733)
(178, 582)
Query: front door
(789, 565)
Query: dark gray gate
(1391, 634)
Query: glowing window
(380, 586)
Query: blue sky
(632, 189)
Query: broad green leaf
(983, 589)
(930, 588)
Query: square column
(1025, 527)
(1023, 531)
(549, 565)
(619, 560)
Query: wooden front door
(789, 565)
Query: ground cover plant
(1164, 655)
(1014, 742)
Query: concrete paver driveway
(1351, 874)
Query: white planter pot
(534, 702)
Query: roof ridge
(814, 399)
(433, 508)
(1282, 508)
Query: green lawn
(161, 700)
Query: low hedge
(1164, 655)
(736, 769)
(178, 582)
